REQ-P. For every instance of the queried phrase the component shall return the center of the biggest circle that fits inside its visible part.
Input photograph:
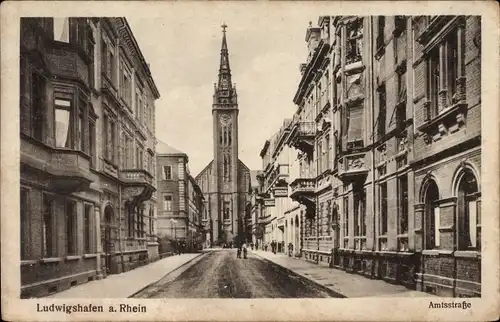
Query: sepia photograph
(235, 156)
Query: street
(219, 274)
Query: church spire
(224, 70)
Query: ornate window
(354, 41)
(48, 243)
(167, 202)
(87, 229)
(432, 217)
(468, 212)
(71, 228)
(383, 208)
(403, 204)
(382, 112)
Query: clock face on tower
(225, 119)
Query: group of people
(242, 248)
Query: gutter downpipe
(372, 103)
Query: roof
(164, 149)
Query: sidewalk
(126, 284)
(348, 285)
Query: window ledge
(467, 254)
(352, 67)
(28, 262)
(51, 260)
(458, 109)
(89, 255)
(73, 257)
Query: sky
(183, 49)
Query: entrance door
(336, 234)
(107, 239)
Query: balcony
(352, 167)
(277, 180)
(138, 185)
(302, 136)
(303, 190)
(68, 170)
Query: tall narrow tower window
(229, 167)
(229, 137)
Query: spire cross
(224, 26)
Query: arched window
(467, 212)
(432, 235)
(229, 137)
(225, 135)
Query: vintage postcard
(250, 161)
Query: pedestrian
(290, 249)
(238, 252)
(244, 250)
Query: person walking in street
(238, 252)
(244, 250)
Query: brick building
(87, 152)
(182, 207)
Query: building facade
(181, 208)
(384, 152)
(225, 181)
(86, 201)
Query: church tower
(225, 181)
(225, 142)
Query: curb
(175, 269)
(306, 278)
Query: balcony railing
(302, 187)
(353, 166)
(281, 171)
(138, 176)
(302, 135)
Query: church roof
(163, 148)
